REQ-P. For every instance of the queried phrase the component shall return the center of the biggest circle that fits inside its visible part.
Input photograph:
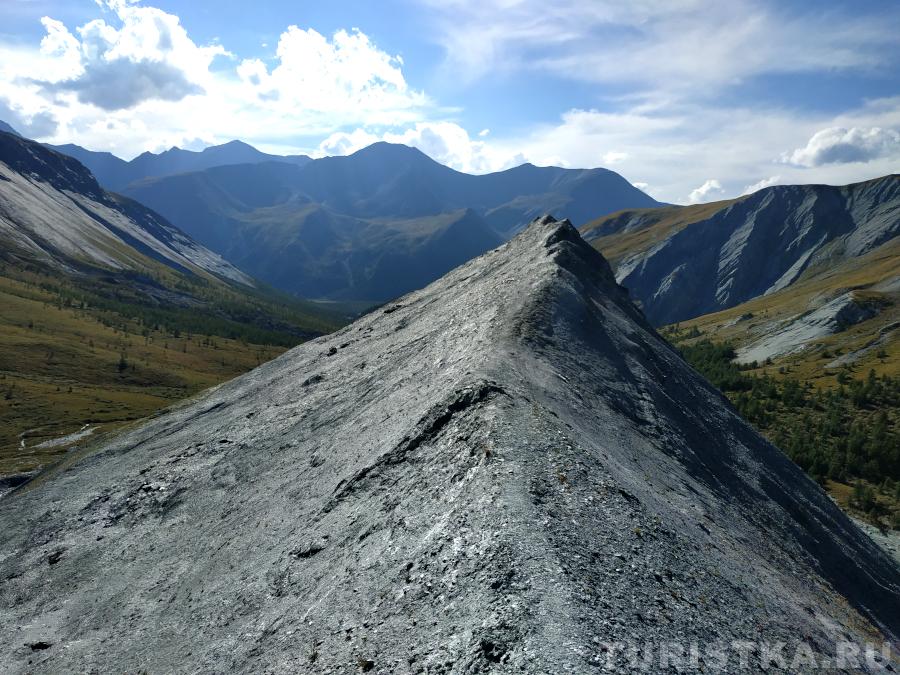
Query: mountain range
(795, 271)
(366, 227)
(507, 471)
(347, 227)
(115, 173)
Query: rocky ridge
(506, 471)
(684, 262)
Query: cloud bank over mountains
(663, 77)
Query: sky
(690, 100)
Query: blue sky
(688, 99)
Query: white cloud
(134, 80)
(837, 145)
(59, 44)
(669, 44)
(347, 75)
(705, 192)
(150, 56)
(614, 157)
(449, 144)
(764, 183)
(343, 143)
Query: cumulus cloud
(837, 145)
(347, 74)
(121, 84)
(134, 80)
(706, 192)
(449, 144)
(344, 143)
(149, 56)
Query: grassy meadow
(71, 358)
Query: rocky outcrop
(507, 471)
(795, 333)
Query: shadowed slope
(497, 473)
(330, 228)
(683, 262)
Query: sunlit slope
(781, 328)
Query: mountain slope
(683, 262)
(53, 211)
(4, 127)
(108, 312)
(807, 346)
(115, 174)
(505, 471)
(255, 215)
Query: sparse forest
(844, 436)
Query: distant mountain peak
(386, 149)
(116, 174)
(8, 129)
(235, 143)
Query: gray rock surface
(502, 472)
(795, 333)
(53, 212)
(754, 245)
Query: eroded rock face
(795, 333)
(53, 211)
(503, 472)
(755, 245)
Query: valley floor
(63, 367)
